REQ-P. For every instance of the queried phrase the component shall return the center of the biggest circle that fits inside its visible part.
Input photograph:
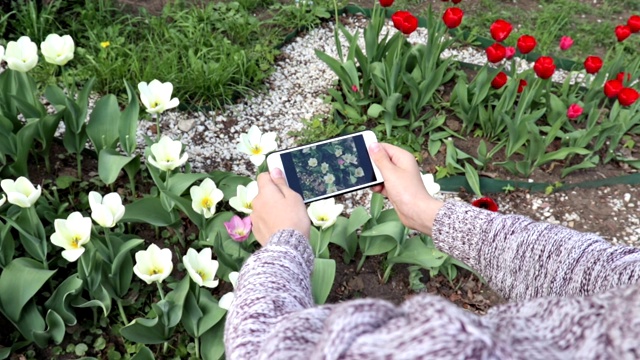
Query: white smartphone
(328, 168)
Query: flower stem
(108, 241)
(122, 314)
(160, 291)
(33, 219)
(197, 340)
(158, 131)
(79, 164)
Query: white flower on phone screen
(324, 167)
(338, 152)
(329, 178)
(359, 172)
(313, 162)
(350, 158)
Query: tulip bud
(574, 111)
(510, 52)
(21, 55)
(544, 67)
(386, 3)
(627, 96)
(634, 23)
(592, 64)
(324, 213)
(404, 21)
(526, 44)
(565, 43)
(500, 30)
(612, 88)
(521, 85)
(496, 52)
(452, 17)
(499, 80)
(622, 32)
(57, 50)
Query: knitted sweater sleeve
(274, 282)
(524, 259)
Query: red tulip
(521, 85)
(592, 64)
(452, 17)
(627, 96)
(485, 203)
(526, 44)
(634, 23)
(565, 43)
(574, 111)
(496, 52)
(621, 76)
(612, 88)
(386, 3)
(354, 88)
(456, 1)
(499, 80)
(544, 67)
(500, 30)
(510, 51)
(404, 21)
(622, 32)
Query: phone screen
(319, 171)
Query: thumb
(277, 177)
(380, 157)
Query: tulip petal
(226, 300)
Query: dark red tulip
(500, 30)
(634, 23)
(499, 80)
(452, 17)
(485, 203)
(592, 64)
(386, 3)
(526, 44)
(521, 85)
(622, 32)
(404, 21)
(544, 67)
(627, 96)
(612, 88)
(496, 52)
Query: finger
(399, 156)
(266, 184)
(380, 157)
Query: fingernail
(276, 173)
(374, 147)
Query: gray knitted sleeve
(524, 259)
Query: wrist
(426, 212)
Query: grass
(212, 53)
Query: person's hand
(277, 207)
(404, 187)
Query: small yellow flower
(105, 44)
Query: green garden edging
(488, 185)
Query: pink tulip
(565, 43)
(510, 51)
(238, 229)
(354, 88)
(574, 111)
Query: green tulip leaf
(200, 316)
(358, 217)
(180, 182)
(100, 298)
(102, 129)
(324, 272)
(110, 163)
(55, 330)
(393, 229)
(149, 331)
(129, 121)
(122, 267)
(212, 342)
(144, 354)
(20, 281)
(375, 110)
(60, 300)
(148, 210)
(416, 252)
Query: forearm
(274, 282)
(522, 259)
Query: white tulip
(58, 50)
(165, 154)
(2, 200)
(324, 213)
(1, 52)
(257, 145)
(156, 96)
(430, 184)
(106, 211)
(71, 234)
(205, 197)
(243, 201)
(227, 299)
(21, 55)
(21, 192)
(201, 267)
(153, 264)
